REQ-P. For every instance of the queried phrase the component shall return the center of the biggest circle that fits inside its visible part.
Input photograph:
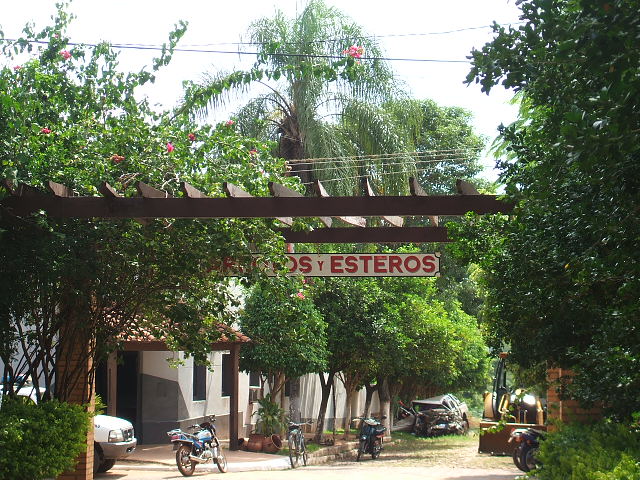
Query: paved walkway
(162, 457)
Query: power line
(384, 155)
(451, 160)
(289, 55)
(369, 175)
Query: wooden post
(233, 398)
(75, 357)
(112, 384)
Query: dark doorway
(127, 396)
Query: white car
(113, 437)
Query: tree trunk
(367, 404)
(326, 384)
(294, 400)
(385, 401)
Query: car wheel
(106, 465)
(98, 458)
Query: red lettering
(429, 263)
(415, 261)
(305, 264)
(336, 264)
(320, 263)
(379, 264)
(352, 264)
(294, 264)
(395, 263)
(365, 262)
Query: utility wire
(291, 55)
(385, 155)
(338, 179)
(454, 160)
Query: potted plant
(270, 424)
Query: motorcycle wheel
(362, 446)
(221, 461)
(527, 458)
(376, 449)
(516, 456)
(185, 465)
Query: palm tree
(312, 111)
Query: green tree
(314, 105)
(287, 332)
(566, 269)
(68, 115)
(352, 310)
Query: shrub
(39, 441)
(270, 417)
(602, 451)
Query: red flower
(300, 295)
(192, 137)
(230, 122)
(17, 67)
(170, 147)
(65, 54)
(354, 51)
(45, 130)
(253, 151)
(117, 158)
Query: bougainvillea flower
(300, 295)
(230, 122)
(45, 130)
(117, 158)
(192, 137)
(65, 54)
(354, 51)
(253, 151)
(17, 67)
(170, 147)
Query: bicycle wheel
(293, 450)
(303, 450)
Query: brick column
(74, 364)
(566, 409)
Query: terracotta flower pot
(271, 444)
(255, 442)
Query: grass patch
(311, 447)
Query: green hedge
(40, 441)
(602, 451)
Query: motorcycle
(202, 446)
(370, 437)
(527, 445)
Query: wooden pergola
(285, 204)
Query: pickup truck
(113, 437)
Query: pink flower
(17, 67)
(230, 123)
(300, 295)
(170, 147)
(45, 130)
(253, 151)
(192, 137)
(65, 54)
(117, 158)
(354, 51)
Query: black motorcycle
(527, 442)
(370, 437)
(202, 446)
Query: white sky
(216, 22)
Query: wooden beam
(234, 191)
(254, 207)
(108, 191)
(417, 191)
(466, 188)
(59, 190)
(355, 221)
(394, 220)
(281, 191)
(368, 235)
(191, 191)
(148, 191)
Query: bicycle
(297, 448)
